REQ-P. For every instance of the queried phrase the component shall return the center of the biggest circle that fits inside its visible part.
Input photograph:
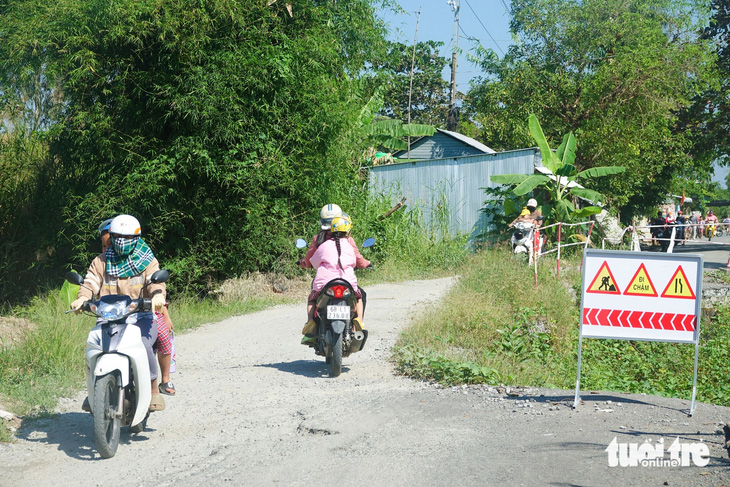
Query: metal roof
(469, 141)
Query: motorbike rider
(657, 227)
(535, 212)
(336, 257)
(681, 229)
(523, 217)
(124, 268)
(711, 219)
(163, 345)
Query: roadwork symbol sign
(679, 286)
(620, 300)
(640, 284)
(604, 282)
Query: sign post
(641, 296)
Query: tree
(708, 118)
(613, 72)
(219, 124)
(565, 176)
(429, 92)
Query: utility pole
(410, 89)
(451, 121)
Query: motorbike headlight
(112, 311)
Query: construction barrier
(695, 233)
(537, 242)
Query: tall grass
(496, 327)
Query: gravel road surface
(256, 408)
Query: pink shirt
(325, 260)
(360, 263)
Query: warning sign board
(619, 300)
(604, 282)
(622, 296)
(679, 286)
(640, 284)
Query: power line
(485, 28)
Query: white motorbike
(523, 239)
(117, 368)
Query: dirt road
(256, 408)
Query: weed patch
(496, 326)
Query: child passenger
(335, 255)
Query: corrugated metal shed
(453, 184)
(442, 144)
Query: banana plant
(563, 183)
(386, 132)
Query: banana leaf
(588, 194)
(508, 178)
(69, 292)
(586, 212)
(530, 183)
(566, 151)
(596, 172)
(549, 160)
(416, 130)
(567, 171)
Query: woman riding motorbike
(335, 257)
(124, 269)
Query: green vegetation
(496, 327)
(221, 125)
(563, 187)
(616, 73)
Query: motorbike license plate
(338, 312)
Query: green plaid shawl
(132, 264)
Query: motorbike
(721, 229)
(523, 239)
(117, 369)
(335, 338)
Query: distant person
(657, 228)
(694, 222)
(681, 227)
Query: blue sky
(485, 20)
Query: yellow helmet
(341, 224)
(525, 212)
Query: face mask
(124, 246)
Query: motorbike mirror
(301, 243)
(74, 278)
(160, 276)
(369, 242)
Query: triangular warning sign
(640, 284)
(603, 283)
(679, 286)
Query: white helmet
(532, 202)
(327, 214)
(125, 225)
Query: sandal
(165, 386)
(157, 403)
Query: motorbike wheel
(106, 422)
(140, 427)
(336, 363)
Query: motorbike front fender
(109, 362)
